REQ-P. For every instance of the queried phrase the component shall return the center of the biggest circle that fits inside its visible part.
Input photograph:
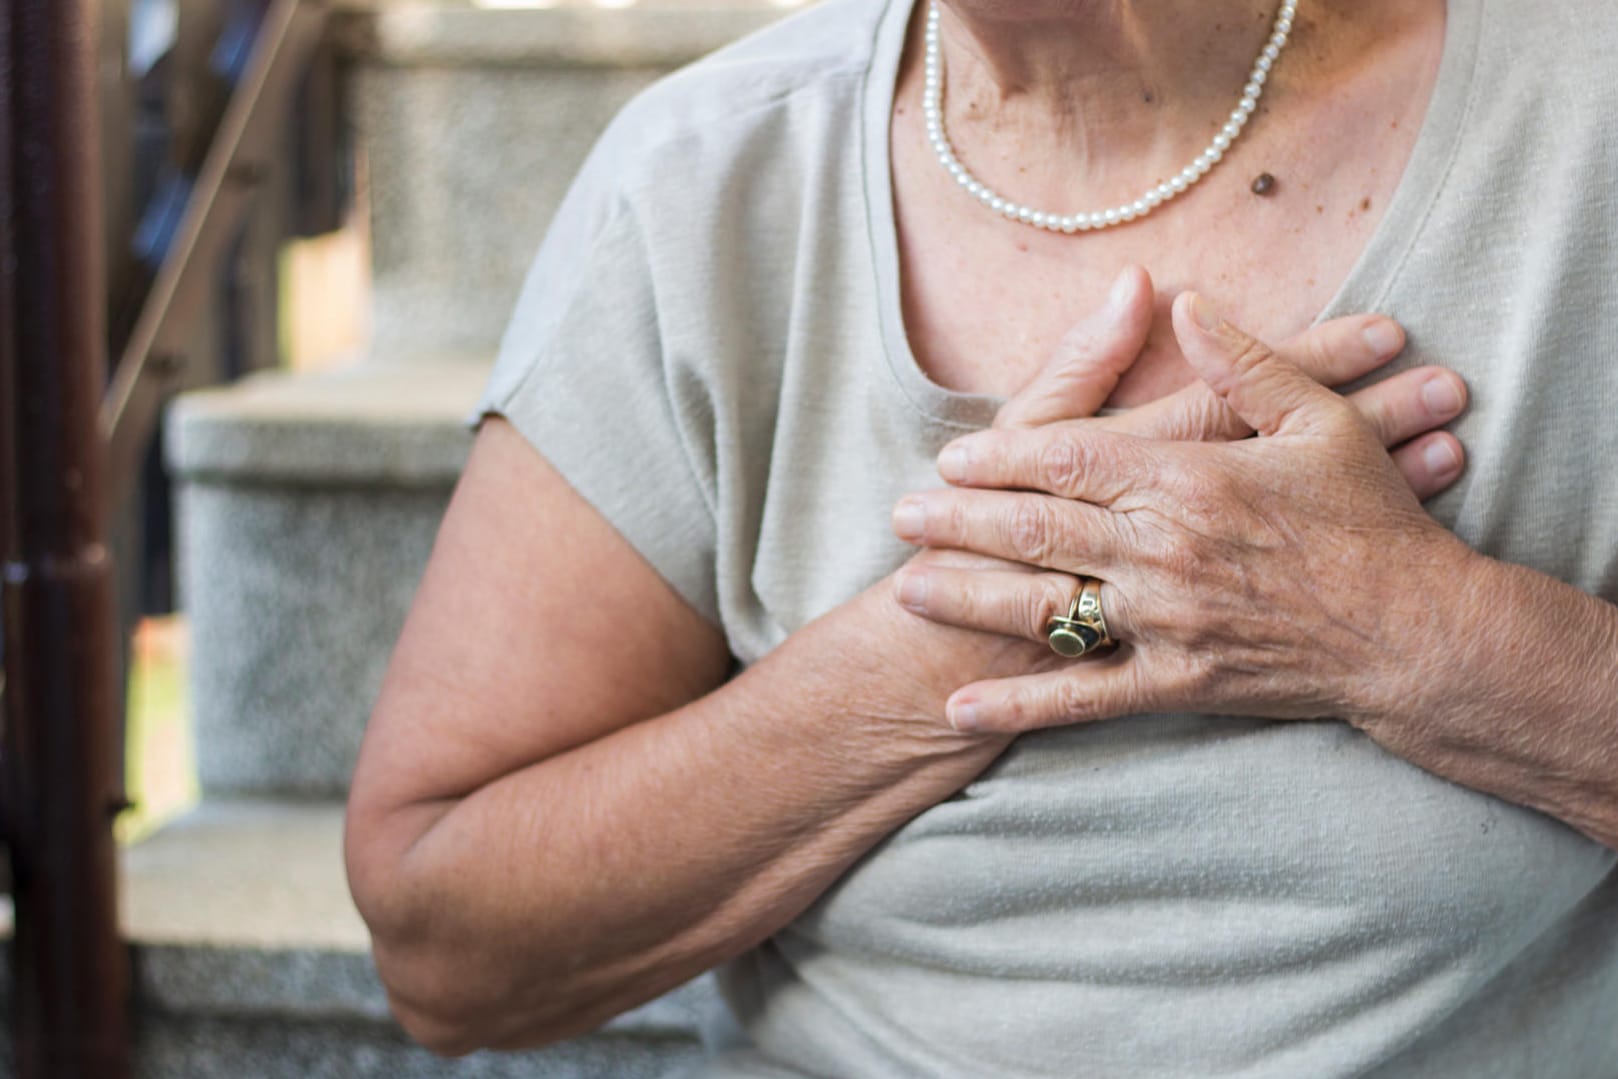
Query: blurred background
(315, 217)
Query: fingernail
(1120, 290)
(1440, 458)
(1384, 338)
(1440, 397)
(964, 716)
(953, 462)
(1204, 313)
(909, 519)
(913, 591)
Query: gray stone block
(466, 168)
(307, 508)
(207, 1048)
(473, 123)
(250, 960)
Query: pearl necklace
(1118, 215)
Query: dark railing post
(59, 775)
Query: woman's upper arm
(537, 628)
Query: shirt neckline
(1365, 288)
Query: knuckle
(1031, 532)
(1071, 702)
(1051, 599)
(1251, 354)
(1183, 561)
(1060, 465)
(1200, 677)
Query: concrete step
(307, 506)
(249, 960)
(472, 119)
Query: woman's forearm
(1520, 698)
(580, 886)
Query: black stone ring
(1083, 629)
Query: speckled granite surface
(250, 962)
(307, 507)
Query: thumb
(1269, 393)
(1089, 360)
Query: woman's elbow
(450, 1012)
(441, 993)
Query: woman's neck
(1079, 86)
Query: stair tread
(241, 908)
(375, 421)
(257, 874)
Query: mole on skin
(1264, 184)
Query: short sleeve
(582, 376)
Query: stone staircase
(307, 508)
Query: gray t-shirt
(710, 349)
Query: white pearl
(1272, 52)
(1025, 215)
(1283, 25)
(1142, 207)
(1036, 218)
(997, 204)
(1110, 217)
(1222, 141)
(1264, 64)
(1070, 224)
(1164, 192)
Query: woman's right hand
(1406, 410)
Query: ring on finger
(1084, 628)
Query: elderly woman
(1136, 747)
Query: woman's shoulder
(1566, 46)
(791, 83)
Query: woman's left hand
(1290, 575)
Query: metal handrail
(240, 156)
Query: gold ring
(1084, 628)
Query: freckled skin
(985, 301)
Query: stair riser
(295, 595)
(466, 168)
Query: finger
(1072, 461)
(1010, 603)
(1411, 403)
(1192, 413)
(1093, 688)
(1344, 349)
(1089, 360)
(1267, 392)
(1034, 529)
(1331, 353)
(1431, 463)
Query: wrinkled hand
(1404, 410)
(1283, 576)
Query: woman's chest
(987, 302)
